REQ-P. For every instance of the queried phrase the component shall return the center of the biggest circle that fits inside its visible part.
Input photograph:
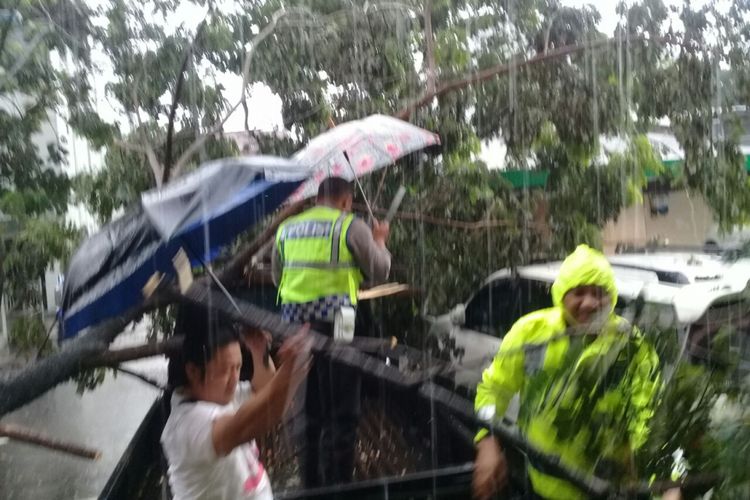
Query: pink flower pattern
(370, 143)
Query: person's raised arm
(369, 250)
(259, 415)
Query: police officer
(320, 259)
(586, 398)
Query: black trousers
(332, 408)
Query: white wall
(688, 222)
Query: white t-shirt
(195, 471)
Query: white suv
(695, 305)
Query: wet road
(104, 419)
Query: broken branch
(148, 149)
(113, 358)
(141, 377)
(262, 35)
(437, 221)
(176, 100)
(24, 435)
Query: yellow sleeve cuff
(483, 433)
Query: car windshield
(499, 304)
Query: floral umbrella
(358, 148)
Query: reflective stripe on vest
(316, 261)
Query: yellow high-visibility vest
(316, 261)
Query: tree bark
(175, 100)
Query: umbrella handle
(364, 196)
(361, 190)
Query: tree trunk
(43, 375)
(43, 292)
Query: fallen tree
(35, 380)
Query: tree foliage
(44, 54)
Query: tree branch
(490, 73)
(113, 358)
(29, 436)
(130, 146)
(148, 149)
(262, 35)
(437, 221)
(176, 99)
(141, 377)
(233, 270)
(200, 141)
(90, 348)
(593, 486)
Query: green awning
(538, 178)
(526, 178)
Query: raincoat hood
(585, 266)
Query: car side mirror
(458, 315)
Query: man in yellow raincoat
(587, 383)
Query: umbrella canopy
(200, 213)
(359, 147)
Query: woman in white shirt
(209, 438)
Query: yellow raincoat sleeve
(644, 394)
(503, 378)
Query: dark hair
(205, 331)
(335, 188)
